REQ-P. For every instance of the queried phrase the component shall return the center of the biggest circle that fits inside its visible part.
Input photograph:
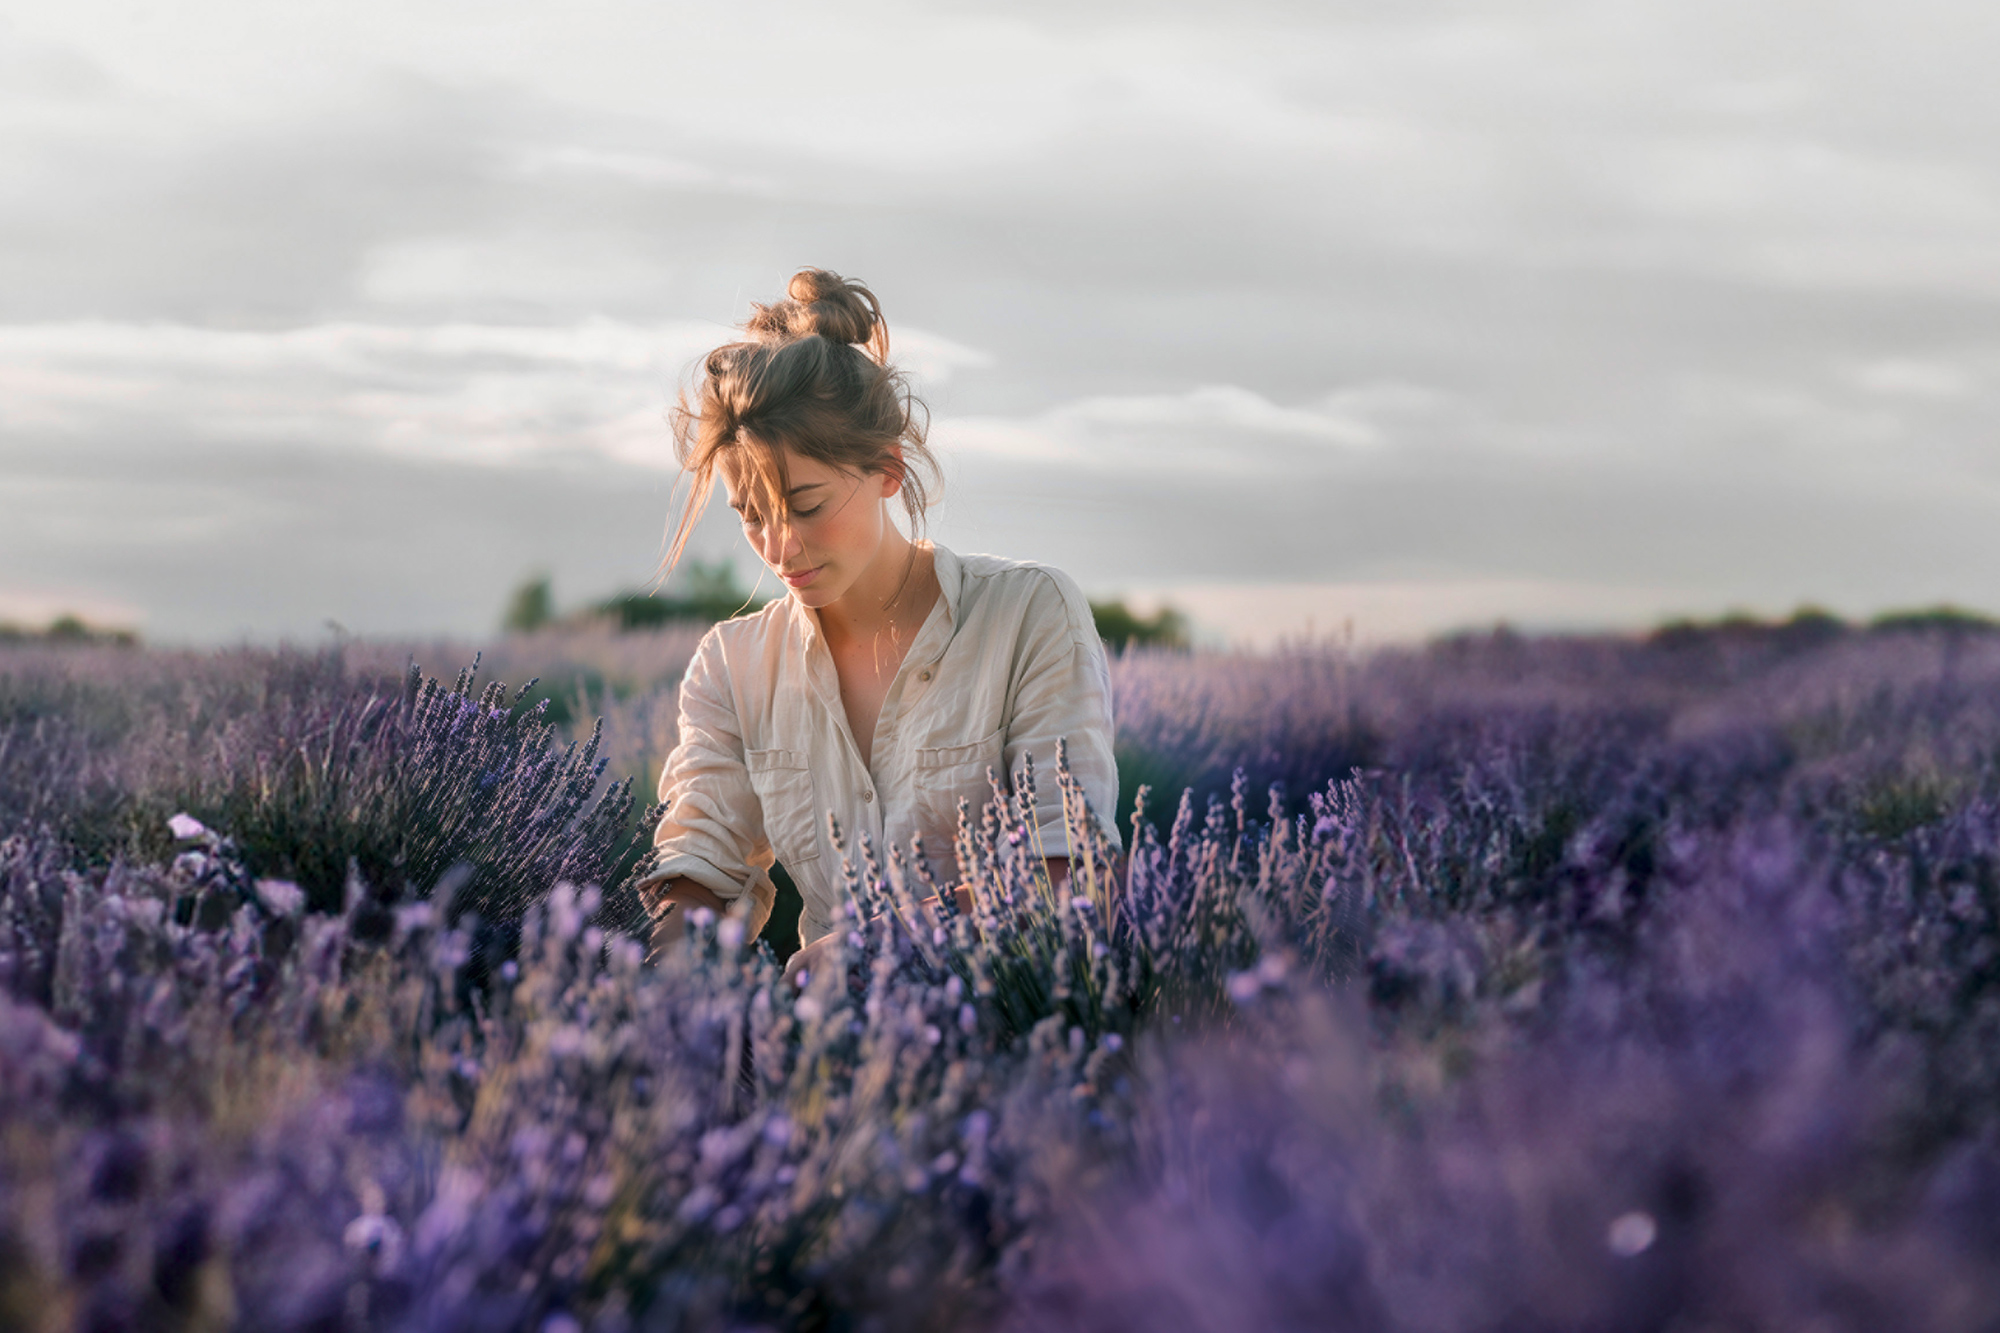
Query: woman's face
(836, 533)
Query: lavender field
(1506, 984)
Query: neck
(886, 596)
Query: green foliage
(1895, 807)
(567, 696)
(1810, 627)
(532, 607)
(1155, 768)
(1120, 627)
(707, 593)
(68, 629)
(1807, 628)
(1949, 619)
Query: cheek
(838, 532)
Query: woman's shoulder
(1029, 589)
(745, 660)
(1021, 578)
(754, 634)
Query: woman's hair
(813, 377)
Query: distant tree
(69, 629)
(707, 593)
(1120, 627)
(1809, 627)
(531, 608)
(1950, 619)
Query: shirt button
(925, 674)
(867, 795)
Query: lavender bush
(1507, 984)
(319, 774)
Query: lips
(802, 577)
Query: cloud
(1539, 294)
(531, 270)
(210, 543)
(565, 163)
(1918, 378)
(36, 75)
(1756, 529)
(487, 394)
(473, 392)
(1215, 427)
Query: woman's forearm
(684, 893)
(661, 899)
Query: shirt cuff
(1051, 836)
(683, 865)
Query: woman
(893, 675)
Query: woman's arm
(709, 845)
(663, 897)
(1062, 691)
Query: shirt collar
(950, 576)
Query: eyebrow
(737, 505)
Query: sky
(1348, 318)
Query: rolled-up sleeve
(712, 831)
(1062, 690)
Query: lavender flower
(1623, 982)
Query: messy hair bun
(824, 303)
(813, 379)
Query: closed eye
(752, 519)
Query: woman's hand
(961, 896)
(801, 964)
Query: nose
(777, 544)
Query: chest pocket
(784, 787)
(946, 773)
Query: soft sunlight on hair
(813, 380)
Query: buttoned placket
(921, 661)
(825, 683)
(826, 687)
(908, 688)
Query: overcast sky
(1415, 315)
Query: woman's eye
(808, 513)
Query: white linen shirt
(1007, 661)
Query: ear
(892, 473)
